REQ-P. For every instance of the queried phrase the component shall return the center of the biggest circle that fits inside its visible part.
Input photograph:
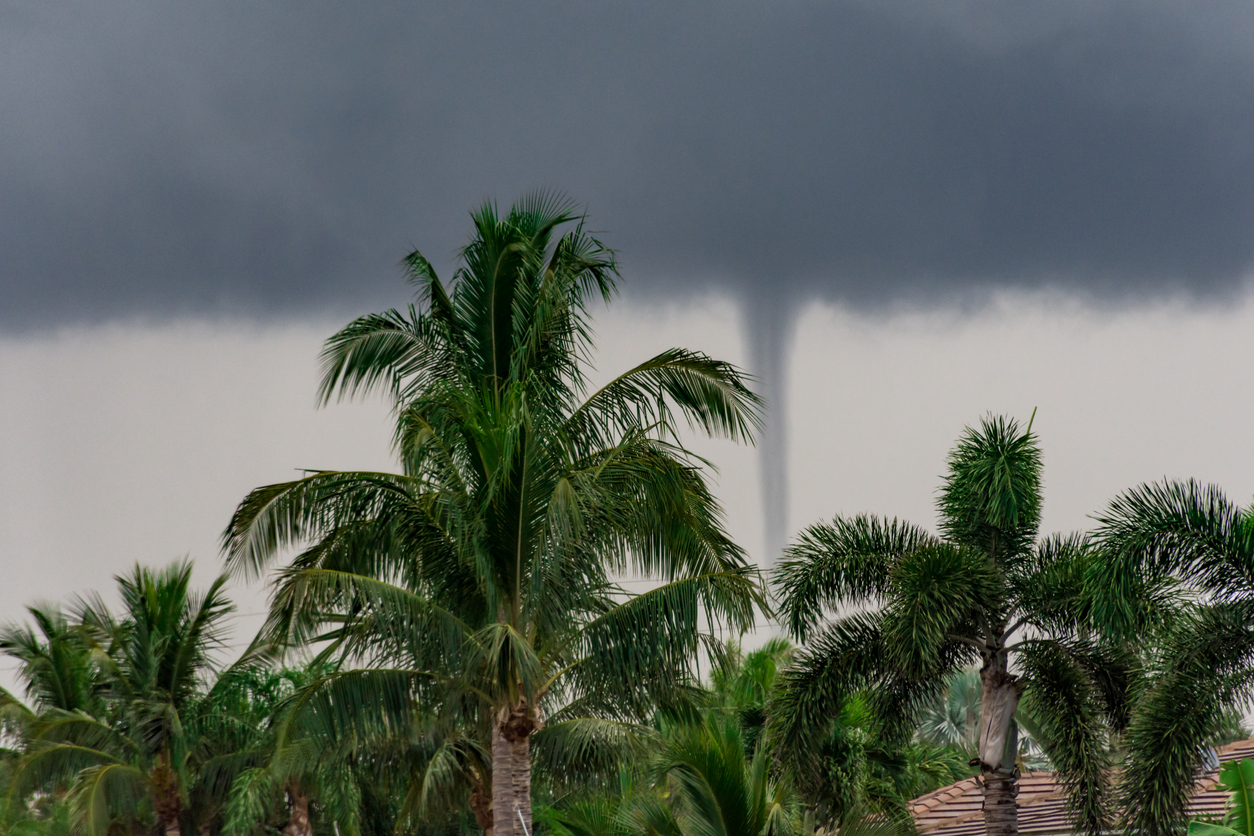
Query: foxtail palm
(1205, 666)
(985, 592)
(481, 577)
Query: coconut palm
(136, 755)
(986, 591)
(480, 579)
(54, 663)
(1205, 665)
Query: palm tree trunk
(1001, 814)
(511, 770)
(298, 813)
(167, 800)
(998, 747)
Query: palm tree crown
(481, 577)
(129, 752)
(985, 592)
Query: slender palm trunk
(998, 746)
(298, 813)
(511, 770)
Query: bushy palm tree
(742, 681)
(714, 789)
(135, 754)
(480, 579)
(1203, 667)
(987, 592)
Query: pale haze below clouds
(129, 443)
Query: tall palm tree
(1205, 666)
(136, 754)
(985, 591)
(481, 577)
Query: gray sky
(939, 209)
(281, 157)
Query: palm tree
(985, 592)
(1205, 666)
(952, 720)
(742, 682)
(136, 753)
(713, 788)
(481, 577)
(54, 663)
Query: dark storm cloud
(281, 157)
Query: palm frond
(105, 793)
(587, 751)
(289, 513)
(1180, 529)
(843, 562)
(712, 395)
(1068, 709)
(939, 592)
(991, 498)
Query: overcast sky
(938, 209)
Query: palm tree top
(482, 575)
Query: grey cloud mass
(279, 158)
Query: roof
(958, 809)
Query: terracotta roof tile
(958, 809)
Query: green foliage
(55, 662)
(918, 609)
(116, 728)
(1200, 669)
(1237, 777)
(699, 781)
